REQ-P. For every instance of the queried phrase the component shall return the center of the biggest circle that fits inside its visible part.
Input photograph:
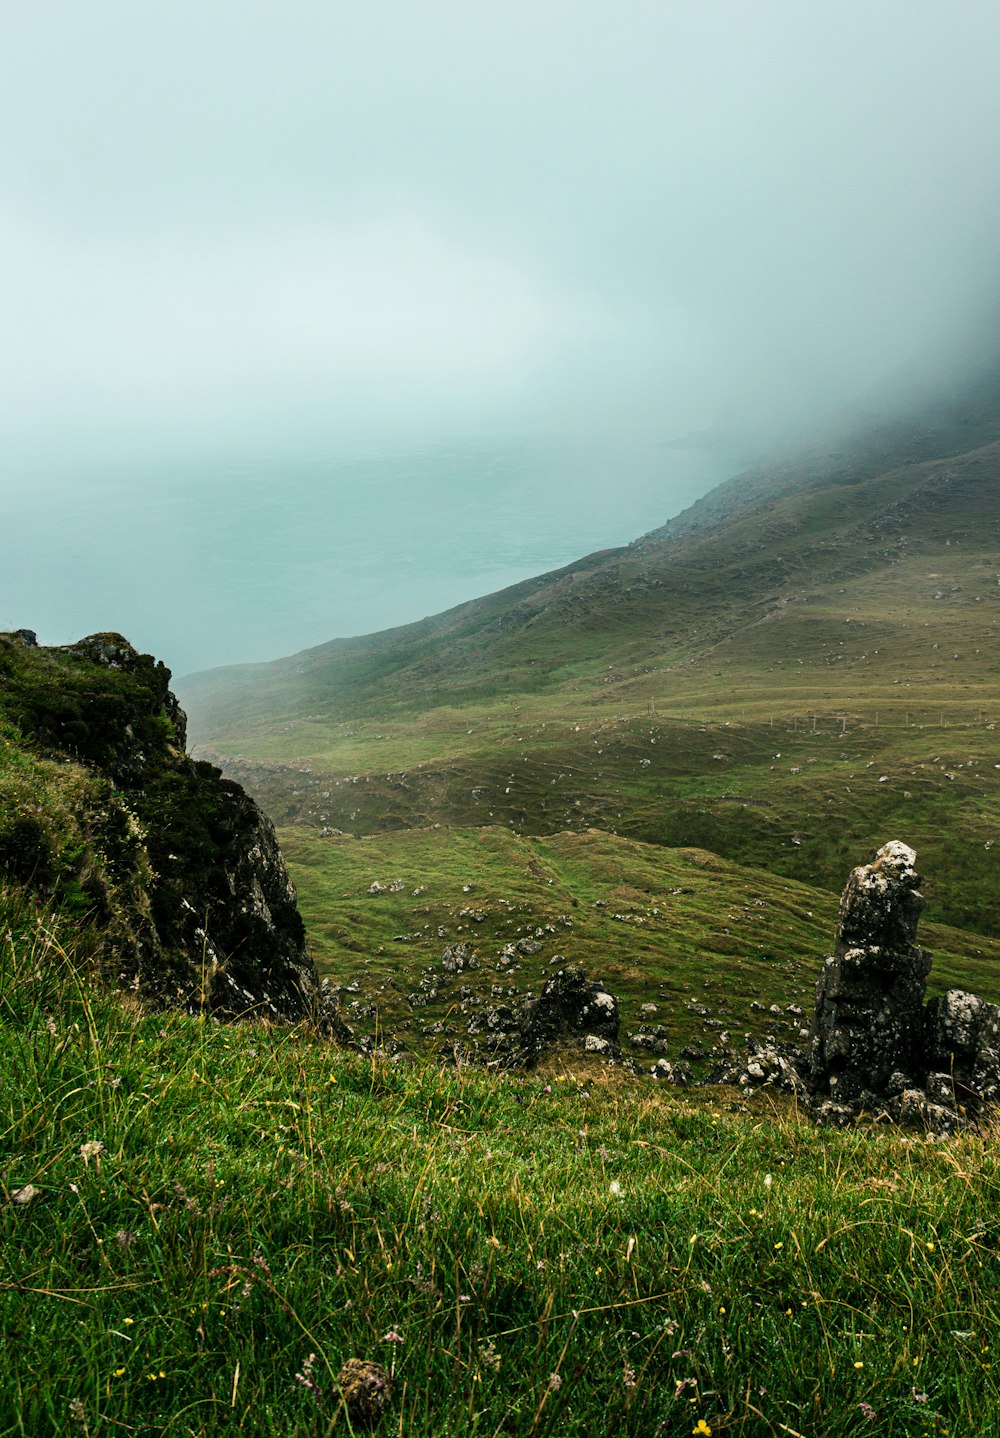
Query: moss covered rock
(102, 811)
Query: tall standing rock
(867, 1030)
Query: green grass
(214, 1205)
(709, 942)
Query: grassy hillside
(201, 1223)
(711, 945)
(787, 689)
(907, 549)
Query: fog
(242, 242)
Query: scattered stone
(457, 957)
(653, 1040)
(676, 1073)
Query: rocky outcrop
(868, 1023)
(175, 865)
(570, 1009)
(874, 1044)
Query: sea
(214, 565)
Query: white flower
(614, 1188)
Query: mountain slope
(666, 600)
(788, 687)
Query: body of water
(204, 569)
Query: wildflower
(119, 1372)
(614, 1188)
(867, 1411)
(701, 1427)
(779, 1245)
(393, 1336)
(305, 1377)
(333, 1078)
(918, 1397)
(768, 1180)
(555, 1383)
(859, 1364)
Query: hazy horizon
(240, 244)
(332, 547)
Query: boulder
(962, 1048)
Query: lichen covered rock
(874, 1045)
(868, 1021)
(571, 1009)
(962, 1047)
(365, 1389)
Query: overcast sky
(317, 316)
(234, 226)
